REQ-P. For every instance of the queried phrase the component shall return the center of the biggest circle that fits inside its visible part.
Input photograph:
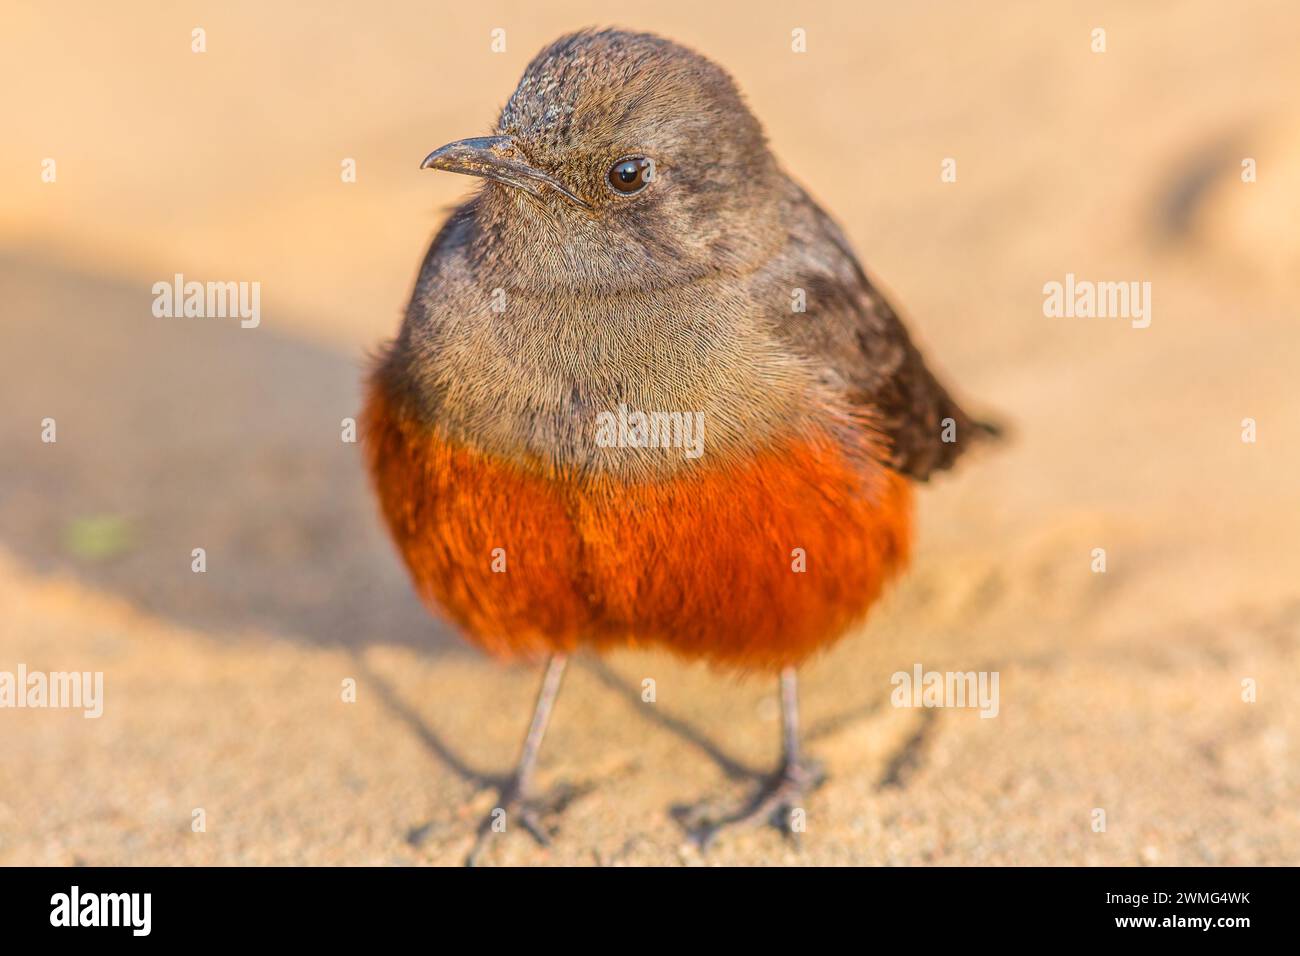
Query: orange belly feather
(703, 564)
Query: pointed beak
(498, 158)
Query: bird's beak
(495, 157)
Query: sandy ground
(1120, 691)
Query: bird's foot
(516, 808)
(778, 803)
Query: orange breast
(750, 566)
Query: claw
(774, 804)
(514, 807)
(527, 812)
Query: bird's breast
(751, 561)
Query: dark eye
(632, 174)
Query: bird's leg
(516, 799)
(781, 798)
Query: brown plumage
(636, 246)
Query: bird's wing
(861, 346)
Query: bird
(644, 395)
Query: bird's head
(621, 157)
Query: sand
(1120, 691)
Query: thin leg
(784, 793)
(790, 716)
(516, 803)
(546, 695)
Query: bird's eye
(631, 175)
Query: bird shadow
(175, 434)
(732, 767)
(428, 737)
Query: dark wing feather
(864, 347)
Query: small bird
(645, 396)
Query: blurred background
(1120, 691)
